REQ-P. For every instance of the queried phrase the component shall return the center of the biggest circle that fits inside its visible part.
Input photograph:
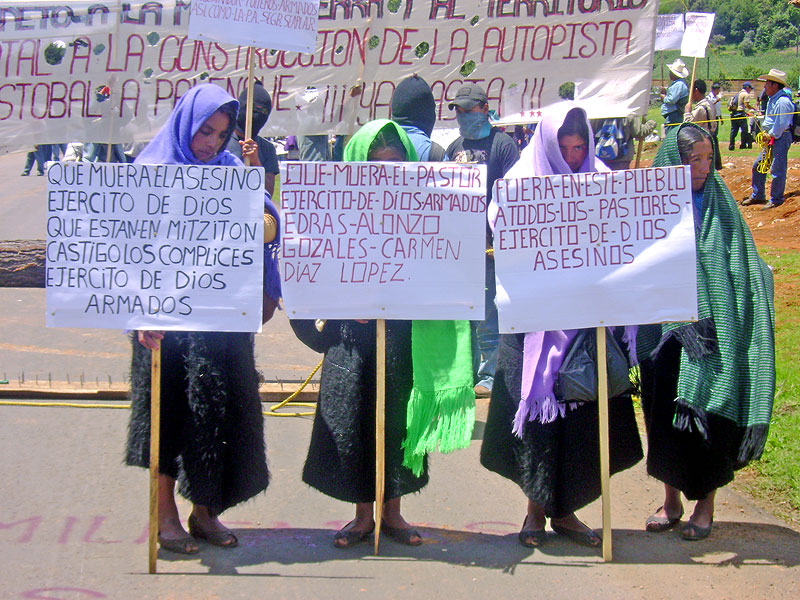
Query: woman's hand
(250, 151)
(150, 339)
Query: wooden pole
(155, 445)
(380, 426)
(639, 147)
(691, 83)
(602, 405)
(248, 124)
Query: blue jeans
(487, 336)
(780, 150)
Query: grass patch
(726, 62)
(776, 477)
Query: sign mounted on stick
(166, 247)
(669, 32)
(279, 24)
(592, 249)
(697, 34)
(383, 240)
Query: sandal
(402, 535)
(351, 537)
(659, 524)
(531, 538)
(694, 533)
(181, 545)
(223, 539)
(588, 537)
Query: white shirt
(715, 103)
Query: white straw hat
(679, 68)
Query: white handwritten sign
(669, 32)
(172, 247)
(279, 24)
(383, 240)
(591, 249)
(697, 34)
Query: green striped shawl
(727, 365)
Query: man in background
(778, 125)
(744, 103)
(481, 143)
(676, 96)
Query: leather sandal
(694, 533)
(657, 524)
(402, 535)
(588, 537)
(181, 545)
(531, 538)
(350, 537)
(223, 539)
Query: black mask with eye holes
(262, 106)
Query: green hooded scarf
(441, 410)
(727, 364)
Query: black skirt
(679, 458)
(557, 465)
(341, 454)
(212, 428)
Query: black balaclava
(413, 104)
(262, 106)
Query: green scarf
(441, 409)
(727, 365)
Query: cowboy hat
(774, 75)
(679, 68)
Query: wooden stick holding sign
(602, 407)
(155, 452)
(248, 126)
(691, 84)
(380, 426)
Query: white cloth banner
(383, 240)
(106, 71)
(279, 24)
(592, 249)
(697, 34)
(166, 247)
(669, 32)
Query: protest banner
(697, 34)
(64, 69)
(165, 247)
(383, 240)
(595, 249)
(669, 32)
(283, 25)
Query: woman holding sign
(708, 386)
(546, 443)
(426, 362)
(212, 439)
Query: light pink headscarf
(544, 351)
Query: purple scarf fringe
(543, 354)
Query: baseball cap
(468, 96)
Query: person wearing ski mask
(262, 107)
(414, 109)
(481, 143)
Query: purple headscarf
(170, 146)
(544, 351)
